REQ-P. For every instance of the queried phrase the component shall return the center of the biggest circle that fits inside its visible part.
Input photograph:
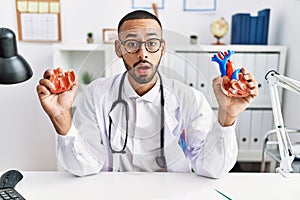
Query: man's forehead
(139, 23)
(141, 27)
(141, 32)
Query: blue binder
(246, 29)
(235, 29)
(259, 30)
(252, 30)
(264, 15)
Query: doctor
(141, 120)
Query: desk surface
(108, 185)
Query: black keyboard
(9, 194)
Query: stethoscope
(161, 159)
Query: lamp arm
(288, 83)
(286, 151)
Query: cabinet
(192, 65)
(257, 120)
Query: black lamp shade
(13, 67)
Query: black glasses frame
(140, 44)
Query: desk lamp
(286, 151)
(13, 67)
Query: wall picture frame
(199, 5)
(147, 4)
(109, 35)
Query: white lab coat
(211, 149)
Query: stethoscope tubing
(160, 160)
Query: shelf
(236, 48)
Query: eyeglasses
(151, 45)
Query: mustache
(142, 61)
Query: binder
(191, 69)
(259, 30)
(245, 29)
(243, 130)
(260, 70)
(233, 30)
(236, 28)
(257, 121)
(205, 66)
(264, 15)
(268, 122)
(252, 30)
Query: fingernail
(251, 84)
(246, 76)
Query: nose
(142, 53)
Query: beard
(141, 78)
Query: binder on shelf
(235, 29)
(252, 30)
(243, 130)
(240, 28)
(247, 29)
(256, 135)
(264, 15)
(259, 30)
(191, 74)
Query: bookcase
(192, 65)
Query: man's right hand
(57, 106)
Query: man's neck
(142, 89)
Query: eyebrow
(130, 35)
(135, 35)
(150, 34)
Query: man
(141, 120)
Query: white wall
(288, 34)
(27, 139)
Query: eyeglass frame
(140, 45)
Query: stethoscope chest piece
(161, 161)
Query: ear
(118, 48)
(164, 47)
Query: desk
(108, 185)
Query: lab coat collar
(149, 96)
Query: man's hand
(231, 107)
(57, 106)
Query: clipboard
(38, 20)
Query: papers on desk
(208, 192)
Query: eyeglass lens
(152, 45)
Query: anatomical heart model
(233, 83)
(62, 82)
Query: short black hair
(138, 14)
